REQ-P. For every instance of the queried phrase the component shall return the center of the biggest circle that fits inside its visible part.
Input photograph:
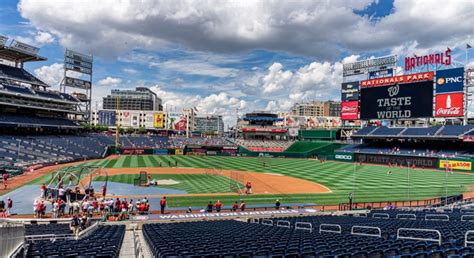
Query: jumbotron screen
(401, 101)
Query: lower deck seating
(104, 242)
(46, 229)
(240, 239)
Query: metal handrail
(467, 211)
(381, 216)
(420, 238)
(267, 222)
(469, 220)
(445, 216)
(51, 237)
(465, 238)
(328, 230)
(413, 216)
(283, 223)
(298, 225)
(366, 234)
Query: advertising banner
(456, 164)
(126, 118)
(107, 118)
(177, 121)
(411, 100)
(135, 119)
(349, 91)
(77, 83)
(158, 121)
(381, 74)
(160, 152)
(449, 105)
(350, 110)
(149, 119)
(293, 132)
(344, 156)
(419, 162)
(178, 152)
(363, 66)
(408, 78)
(468, 138)
(295, 121)
(443, 58)
(450, 80)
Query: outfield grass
(191, 183)
(369, 183)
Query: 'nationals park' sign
(409, 78)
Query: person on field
(350, 201)
(43, 190)
(9, 206)
(163, 204)
(248, 187)
(242, 206)
(209, 207)
(235, 206)
(104, 190)
(277, 204)
(218, 206)
(5, 178)
(2, 209)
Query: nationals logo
(449, 105)
(350, 110)
(431, 59)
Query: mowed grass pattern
(191, 183)
(369, 183)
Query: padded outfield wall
(457, 164)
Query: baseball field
(295, 181)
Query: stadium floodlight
(3, 40)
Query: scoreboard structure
(440, 94)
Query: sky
(232, 57)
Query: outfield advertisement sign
(450, 80)
(350, 91)
(407, 78)
(224, 214)
(350, 110)
(107, 118)
(381, 74)
(449, 105)
(160, 152)
(404, 101)
(419, 162)
(344, 156)
(456, 164)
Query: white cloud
(51, 74)
(44, 37)
(315, 28)
(109, 82)
(195, 67)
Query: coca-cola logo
(448, 111)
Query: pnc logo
(440, 81)
(447, 80)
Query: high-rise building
(141, 98)
(209, 124)
(317, 108)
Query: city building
(212, 124)
(317, 108)
(141, 98)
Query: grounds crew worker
(163, 204)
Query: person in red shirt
(9, 206)
(218, 206)
(163, 204)
(104, 190)
(5, 178)
(248, 186)
(43, 190)
(95, 204)
(235, 206)
(242, 206)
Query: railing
(304, 226)
(441, 217)
(381, 216)
(467, 216)
(329, 230)
(267, 222)
(86, 232)
(420, 238)
(137, 245)
(379, 234)
(50, 237)
(466, 242)
(283, 223)
(467, 211)
(409, 216)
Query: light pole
(18, 152)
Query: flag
(449, 49)
(468, 46)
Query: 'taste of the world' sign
(431, 59)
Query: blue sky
(223, 56)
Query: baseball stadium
(390, 175)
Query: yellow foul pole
(117, 123)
